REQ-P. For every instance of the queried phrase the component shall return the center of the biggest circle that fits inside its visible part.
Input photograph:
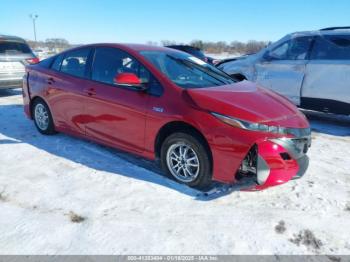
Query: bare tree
(167, 42)
(57, 43)
(249, 47)
(154, 43)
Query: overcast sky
(139, 21)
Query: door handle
(90, 91)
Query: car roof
(11, 38)
(134, 47)
(330, 31)
(142, 47)
(130, 47)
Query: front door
(282, 69)
(115, 114)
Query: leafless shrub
(249, 47)
(75, 218)
(347, 207)
(281, 227)
(252, 46)
(308, 239)
(334, 258)
(3, 197)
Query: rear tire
(42, 117)
(185, 158)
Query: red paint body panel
(281, 170)
(127, 119)
(247, 101)
(116, 116)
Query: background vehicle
(193, 51)
(311, 69)
(14, 55)
(165, 104)
(220, 62)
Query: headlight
(296, 132)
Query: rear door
(66, 84)
(282, 69)
(327, 81)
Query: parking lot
(63, 195)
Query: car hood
(247, 101)
(236, 65)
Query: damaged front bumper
(279, 160)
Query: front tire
(42, 117)
(186, 158)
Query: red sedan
(164, 104)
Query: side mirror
(129, 80)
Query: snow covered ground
(63, 195)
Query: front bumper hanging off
(280, 160)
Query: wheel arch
(175, 127)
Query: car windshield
(8, 47)
(185, 70)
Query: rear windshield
(7, 47)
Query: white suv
(312, 69)
(15, 54)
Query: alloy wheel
(183, 162)
(41, 116)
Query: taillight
(33, 60)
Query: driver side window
(109, 62)
(280, 52)
(294, 49)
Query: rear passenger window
(331, 47)
(56, 65)
(46, 62)
(74, 62)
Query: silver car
(312, 69)
(14, 55)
